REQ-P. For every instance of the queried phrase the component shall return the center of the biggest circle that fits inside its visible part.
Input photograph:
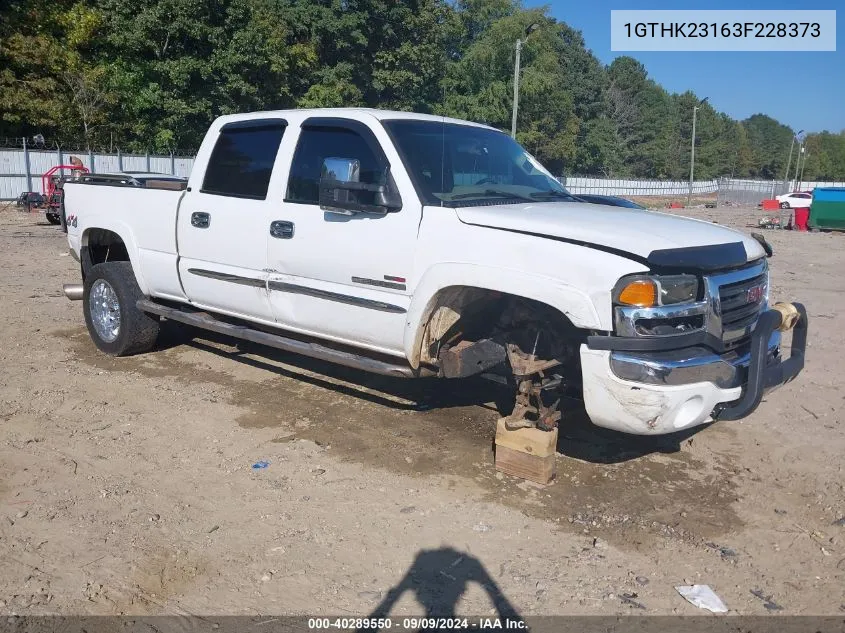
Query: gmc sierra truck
(419, 246)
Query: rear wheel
(116, 325)
(53, 218)
(784, 205)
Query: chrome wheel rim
(105, 310)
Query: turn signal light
(641, 293)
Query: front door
(345, 277)
(223, 223)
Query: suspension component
(530, 409)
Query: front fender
(568, 300)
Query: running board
(208, 322)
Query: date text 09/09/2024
(417, 623)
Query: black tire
(52, 218)
(784, 205)
(136, 331)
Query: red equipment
(801, 217)
(49, 183)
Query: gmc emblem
(754, 294)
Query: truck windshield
(461, 165)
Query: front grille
(738, 315)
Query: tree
(153, 74)
(770, 143)
(87, 94)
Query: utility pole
(803, 165)
(789, 160)
(516, 87)
(797, 161)
(692, 149)
(516, 69)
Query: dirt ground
(127, 486)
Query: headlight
(658, 305)
(649, 291)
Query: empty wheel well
(463, 314)
(99, 246)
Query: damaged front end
(519, 343)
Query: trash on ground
(260, 465)
(773, 223)
(703, 597)
(840, 522)
(768, 603)
(629, 599)
(727, 553)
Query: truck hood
(659, 239)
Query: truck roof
(298, 115)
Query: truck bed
(117, 207)
(137, 180)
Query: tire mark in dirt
(633, 491)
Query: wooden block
(526, 453)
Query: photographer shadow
(438, 579)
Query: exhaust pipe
(73, 291)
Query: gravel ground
(127, 486)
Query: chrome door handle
(200, 220)
(281, 229)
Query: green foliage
(153, 74)
(770, 142)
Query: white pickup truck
(419, 246)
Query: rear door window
(242, 160)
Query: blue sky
(802, 90)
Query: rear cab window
(243, 157)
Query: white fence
(628, 187)
(728, 190)
(21, 169)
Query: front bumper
(651, 393)
(689, 365)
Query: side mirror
(341, 169)
(342, 192)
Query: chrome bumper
(689, 365)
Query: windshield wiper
(552, 193)
(492, 192)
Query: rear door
(222, 227)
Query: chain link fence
(736, 192)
